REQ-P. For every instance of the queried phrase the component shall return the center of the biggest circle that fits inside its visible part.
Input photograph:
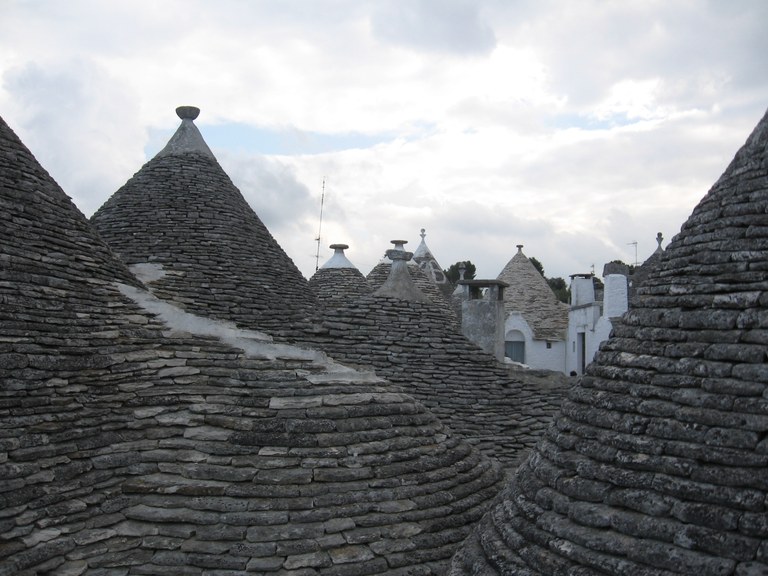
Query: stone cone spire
(529, 294)
(428, 263)
(181, 224)
(658, 461)
(138, 438)
(338, 281)
(399, 283)
(380, 273)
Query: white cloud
(572, 127)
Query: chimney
(482, 314)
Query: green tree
(452, 273)
(598, 284)
(557, 285)
(560, 288)
(538, 265)
(630, 266)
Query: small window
(515, 351)
(549, 345)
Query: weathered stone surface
(656, 463)
(530, 295)
(497, 410)
(131, 446)
(182, 214)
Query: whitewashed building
(536, 323)
(591, 320)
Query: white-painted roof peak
(422, 250)
(338, 260)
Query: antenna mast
(635, 245)
(320, 227)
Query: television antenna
(635, 245)
(320, 228)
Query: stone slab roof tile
(530, 295)
(499, 412)
(137, 437)
(182, 214)
(656, 463)
(379, 274)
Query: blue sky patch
(238, 137)
(584, 122)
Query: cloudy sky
(574, 127)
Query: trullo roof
(338, 281)
(405, 337)
(424, 258)
(136, 438)
(182, 219)
(658, 461)
(530, 295)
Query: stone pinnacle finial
(339, 247)
(462, 270)
(423, 233)
(399, 283)
(187, 137)
(187, 112)
(659, 239)
(399, 254)
(519, 248)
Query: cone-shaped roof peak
(428, 263)
(124, 416)
(181, 212)
(530, 295)
(664, 438)
(339, 259)
(187, 138)
(399, 284)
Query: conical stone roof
(658, 461)
(407, 341)
(529, 294)
(182, 224)
(338, 280)
(380, 273)
(428, 263)
(138, 438)
(642, 272)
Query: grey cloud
(271, 188)
(456, 26)
(81, 125)
(700, 54)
